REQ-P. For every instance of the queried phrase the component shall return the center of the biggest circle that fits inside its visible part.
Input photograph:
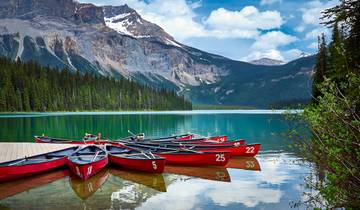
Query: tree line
(31, 87)
(334, 113)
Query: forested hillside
(31, 87)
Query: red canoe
(183, 138)
(196, 159)
(219, 138)
(35, 164)
(192, 141)
(135, 159)
(87, 161)
(247, 150)
(201, 143)
(46, 139)
(184, 157)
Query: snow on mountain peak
(127, 21)
(267, 62)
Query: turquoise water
(272, 180)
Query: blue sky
(238, 29)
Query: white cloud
(266, 46)
(265, 2)
(313, 45)
(292, 54)
(313, 34)
(272, 40)
(249, 18)
(245, 23)
(300, 28)
(271, 53)
(312, 11)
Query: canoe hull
(85, 171)
(64, 141)
(249, 150)
(187, 137)
(14, 172)
(147, 165)
(197, 159)
(219, 138)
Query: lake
(274, 179)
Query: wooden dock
(12, 151)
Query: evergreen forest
(30, 87)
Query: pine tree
(336, 67)
(320, 67)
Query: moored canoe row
(92, 154)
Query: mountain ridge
(267, 62)
(78, 37)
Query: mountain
(267, 62)
(116, 41)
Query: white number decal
(250, 164)
(250, 149)
(89, 170)
(154, 165)
(222, 139)
(220, 158)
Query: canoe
(86, 188)
(200, 143)
(34, 165)
(184, 156)
(215, 139)
(247, 150)
(135, 159)
(219, 138)
(46, 139)
(87, 161)
(151, 180)
(167, 138)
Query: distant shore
(181, 112)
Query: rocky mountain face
(116, 41)
(267, 62)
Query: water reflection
(154, 181)
(86, 188)
(242, 185)
(8, 189)
(246, 163)
(209, 172)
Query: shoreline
(180, 112)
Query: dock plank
(12, 151)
